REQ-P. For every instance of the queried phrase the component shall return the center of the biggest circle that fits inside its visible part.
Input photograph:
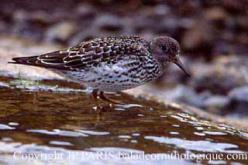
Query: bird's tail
(32, 60)
(52, 60)
(24, 60)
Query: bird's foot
(99, 95)
(105, 98)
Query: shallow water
(60, 119)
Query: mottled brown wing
(109, 50)
(87, 54)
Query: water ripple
(200, 145)
(59, 132)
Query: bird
(111, 64)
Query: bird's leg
(94, 96)
(104, 98)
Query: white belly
(104, 78)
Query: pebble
(4, 85)
(239, 94)
(216, 103)
(187, 95)
(60, 32)
(239, 101)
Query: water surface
(51, 117)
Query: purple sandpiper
(111, 64)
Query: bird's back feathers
(89, 53)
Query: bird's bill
(180, 65)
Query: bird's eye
(164, 48)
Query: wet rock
(168, 25)
(141, 25)
(189, 7)
(5, 127)
(4, 85)
(32, 23)
(109, 23)
(20, 16)
(242, 23)
(237, 6)
(2, 27)
(87, 34)
(240, 93)
(198, 37)
(86, 12)
(220, 84)
(161, 10)
(186, 95)
(58, 122)
(239, 100)
(216, 104)
(224, 74)
(217, 16)
(60, 32)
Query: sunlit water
(63, 121)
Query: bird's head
(166, 49)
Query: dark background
(204, 28)
(213, 36)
